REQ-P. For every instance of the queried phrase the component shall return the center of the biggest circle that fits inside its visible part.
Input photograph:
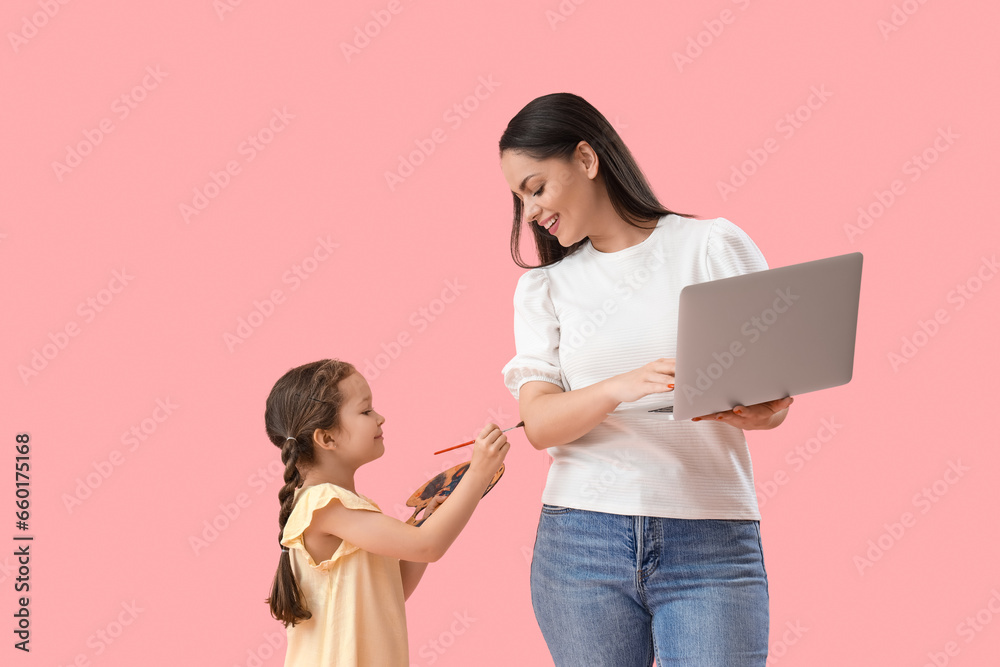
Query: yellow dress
(356, 597)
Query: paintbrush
(466, 444)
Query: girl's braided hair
(303, 400)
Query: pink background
(124, 552)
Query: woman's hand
(755, 417)
(653, 378)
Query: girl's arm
(411, 573)
(377, 533)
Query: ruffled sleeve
(310, 500)
(536, 334)
(730, 252)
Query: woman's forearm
(555, 417)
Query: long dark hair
(304, 399)
(552, 126)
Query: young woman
(648, 544)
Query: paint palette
(444, 482)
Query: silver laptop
(761, 336)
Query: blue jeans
(618, 591)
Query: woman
(648, 544)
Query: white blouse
(594, 315)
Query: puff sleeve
(536, 334)
(307, 502)
(730, 252)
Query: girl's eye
(539, 191)
(368, 412)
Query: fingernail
(696, 419)
(670, 386)
(718, 416)
(738, 411)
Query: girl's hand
(489, 450)
(751, 417)
(653, 378)
(435, 502)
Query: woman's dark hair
(552, 126)
(302, 400)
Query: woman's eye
(539, 191)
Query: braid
(286, 600)
(293, 480)
(290, 422)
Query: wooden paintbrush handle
(466, 444)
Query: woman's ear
(324, 439)
(588, 159)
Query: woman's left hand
(751, 417)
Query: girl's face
(558, 195)
(358, 438)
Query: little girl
(346, 568)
